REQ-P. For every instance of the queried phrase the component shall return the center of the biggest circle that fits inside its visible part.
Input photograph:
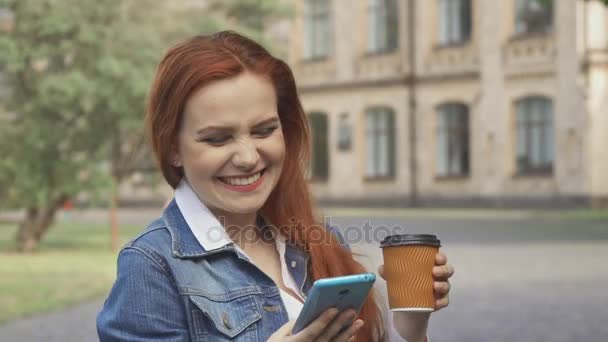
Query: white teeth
(242, 181)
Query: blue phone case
(346, 292)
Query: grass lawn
(73, 263)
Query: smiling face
(231, 145)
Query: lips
(243, 184)
(242, 180)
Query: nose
(246, 155)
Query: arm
(412, 326)
(143, 304)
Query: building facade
(479, 102)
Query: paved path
(517, 279)
(75, 324)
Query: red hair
(198, 62)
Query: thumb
(381, 271)
(285, 330)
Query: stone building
(468, 102)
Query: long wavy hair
(204, 59)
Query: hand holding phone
(341, 293)
(327, 327)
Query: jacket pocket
(232, 319)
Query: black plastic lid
(410, 239)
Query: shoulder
(154, 236)
(153, 242)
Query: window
(533, 16)
(534, 135)
(344, 133)
(317, 29)
(454, 21)
(319, 167)
(383, 29)
(380, 136)
(452, 140)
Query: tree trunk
(36, 223)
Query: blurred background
(482, 121)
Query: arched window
(534, 135)
(380, 143)
(452, 140)
(319, 168)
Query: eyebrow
(203, 130)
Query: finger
(442, 303)
(381, 271)
(314, 329)
(350, 332)
(345, 318)
(442, 288)
(443, 272)
(441, 259)
(286, 329)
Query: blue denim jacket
(169, 288)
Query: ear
(176, 161)
(175, 158)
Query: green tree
(77, 74)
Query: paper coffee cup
(408, 267)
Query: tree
(77, 74)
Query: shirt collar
(205, 227)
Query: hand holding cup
(417, 274)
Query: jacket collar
(202, 234)
(185, 244)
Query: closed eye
(216, 140)
(266, 131)
(221, 140)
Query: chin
(245, 208)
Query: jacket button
(293, 264)
(226, 321)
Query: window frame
(317, 18)
(447, 20)
(383, 17)
(318, 172)
(526, 128)
(456, 116)
(517, 33)
(376, 133)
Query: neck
(241, 228)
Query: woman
(235, 253)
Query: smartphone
(346, 292)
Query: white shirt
(210, 233)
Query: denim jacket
(169, 288)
